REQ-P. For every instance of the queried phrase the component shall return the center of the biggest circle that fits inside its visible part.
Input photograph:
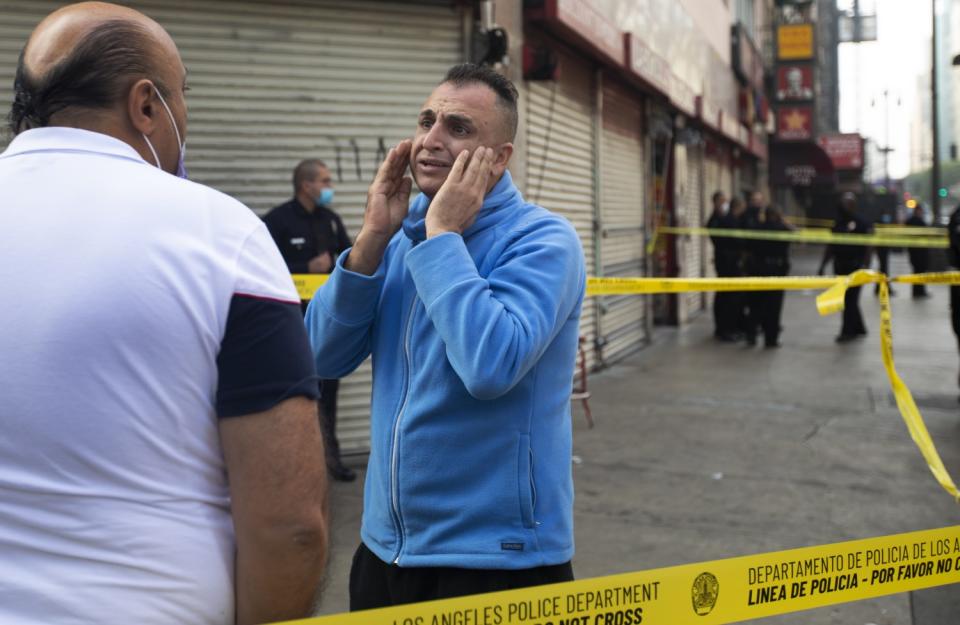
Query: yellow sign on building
(794, 42)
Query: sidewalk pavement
(705, 450)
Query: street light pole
(935, 109)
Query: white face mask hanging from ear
(181, 169)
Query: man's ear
(142, 106)
(502, 158)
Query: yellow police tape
(738, 589)
(908, 231)
(705, 593)
(828, 302)
(808, 221)
(811, 235)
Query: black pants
(375, 584)
(771, 302)
(751, 311)
(727, 310)
(771, 309)
(852, 319)
(920, 262)
(327, 405)
(883, 260)
(726, 304)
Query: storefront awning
(800, 164)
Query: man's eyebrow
(427, 113)
(458, 119)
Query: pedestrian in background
(883, 258)
(848, 258)
(726, 263)
(159, 462)
(753, 301)
(774, 261)
(919, 256)
(310, 236)
(736, 318)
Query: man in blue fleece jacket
(469, 301)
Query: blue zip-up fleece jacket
(473, 339)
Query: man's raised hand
(389, 194)
(387, 203)
(458, 201)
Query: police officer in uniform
(919, 256)
(726, 260)
(752, 219)
(773, 260)
(310, 237)
(846, 260)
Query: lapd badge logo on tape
(706, 589)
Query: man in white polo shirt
(160, 460)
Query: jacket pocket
(525, 486)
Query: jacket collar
(503, 195)
(62, 139)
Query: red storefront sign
(845, 151)
(794, 82)
(795, 123)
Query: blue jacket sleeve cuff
(439, 263)
(349, 297)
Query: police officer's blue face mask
(325, 198)
(181, 168)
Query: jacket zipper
(395, 456)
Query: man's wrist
(438, 230)
(366, 253)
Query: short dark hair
(95, 75)
(716, 196)
(507, 96)
(306, 170)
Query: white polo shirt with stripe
(137, 310)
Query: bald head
(82, 59)
(62, 31)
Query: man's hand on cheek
(458, 201)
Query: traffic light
(942, 192)
(911, 204)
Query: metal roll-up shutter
(690, 211)
(273, 83)
(621, 318)
(560, 146)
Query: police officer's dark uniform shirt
(849, 258)
(726, 251)
(919, 256)
(750, 220)
(774, 256)
(302, 236)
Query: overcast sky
(891, 63)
